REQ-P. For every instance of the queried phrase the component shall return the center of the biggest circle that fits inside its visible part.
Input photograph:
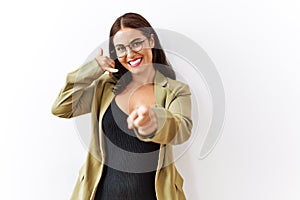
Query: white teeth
(135, 62)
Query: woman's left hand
(143, 119)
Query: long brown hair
(159, 60)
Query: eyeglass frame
(130, 47)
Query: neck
(146, 77)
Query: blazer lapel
(107, 98)
(160, 82)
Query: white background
(254, 44)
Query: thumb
(100, 52)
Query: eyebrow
(129, 42)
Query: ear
(152, 41)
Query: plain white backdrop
(254, 45)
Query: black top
(130, 164)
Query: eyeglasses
(135, 46)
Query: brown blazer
(89, 90)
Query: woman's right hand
(106, 63)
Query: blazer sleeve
(174, 122)
(75, 98)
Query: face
(129, 40)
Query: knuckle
(138, 122)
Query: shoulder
(175, 86)
(104, 79)
(178, 87)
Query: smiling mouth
(135, 62)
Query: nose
(129, 51)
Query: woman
(138, 112)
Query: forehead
(126, 35)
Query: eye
(120, 48)
(136, 44)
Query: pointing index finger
(132, 116)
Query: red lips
(135, 62)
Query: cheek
(123, 62)
(149, 56)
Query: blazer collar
(160, 79)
